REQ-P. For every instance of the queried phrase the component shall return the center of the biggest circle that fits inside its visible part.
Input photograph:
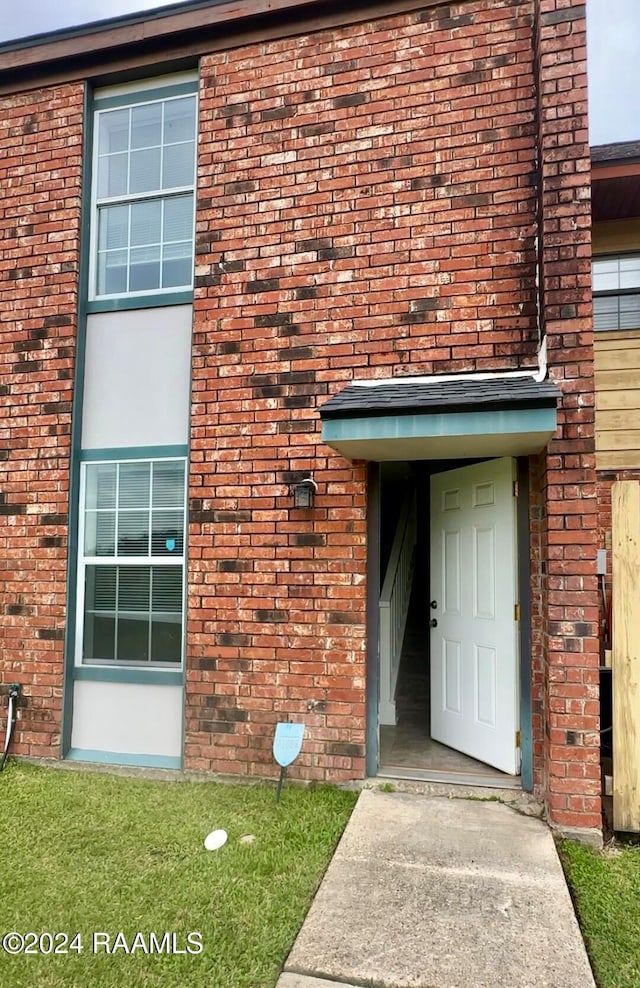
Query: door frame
(374, 587)
(523, 570)
(524, 631)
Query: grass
(85, 852)
(606, 891)
(386, 787)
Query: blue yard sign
(287, 743)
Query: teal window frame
(131, 98)
(118, 560)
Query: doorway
(454, 713)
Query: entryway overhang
(431, 419)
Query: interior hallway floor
(408, 745)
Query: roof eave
(620, 160)
(160, 26)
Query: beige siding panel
(617, 366)
(617, 386)
(616, 237)
(137, 381)
(617, 339)
(128, 718)
(617, 380)
(617, 420)
(614, 400)
(627, 439)
(622, 358)
(616, 460)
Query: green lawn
(606, 890)
(84, 852)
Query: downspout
(539, 375)
(542, 339)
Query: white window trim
(93, 295)
(142, 85)
(84, 561)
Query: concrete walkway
(433, 892)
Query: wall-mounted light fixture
(304, 493)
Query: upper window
(143, 179)
(616, 292)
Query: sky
(613, 50)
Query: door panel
(474, 667)
(452, 677)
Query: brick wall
(568, 687)
(40, 162)
(366, 208)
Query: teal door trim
(523, 535)
(373, 595)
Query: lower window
(131, 576)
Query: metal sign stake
(283, 772)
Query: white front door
(474, 667)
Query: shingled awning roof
(430, 418)
(453, 395)
(622, 151)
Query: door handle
(433, 623)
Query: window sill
(129, 674)
(153, 301)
